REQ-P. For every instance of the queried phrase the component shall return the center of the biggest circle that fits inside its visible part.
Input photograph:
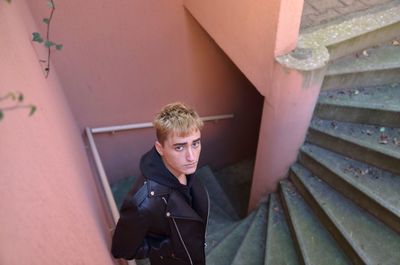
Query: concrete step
(224, 252)
(377, 105)
(364, 238)
(121, 188)
(313, 242)
(235, 180)
(369, 144)
(215, 237)
(218, 218)
(215, 191)
(252, 248)
(381, 66)
(279, 246)
(142, 262)
(375, 190)
(346, 36)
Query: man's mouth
(191, 165)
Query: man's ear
(159, 148)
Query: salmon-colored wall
(286, 116)
(123, 60)
(251, 32)
(49, 207)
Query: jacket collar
(177, 207)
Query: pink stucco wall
(49, 207)
(251, 32)
(123, 60)
(285, 120)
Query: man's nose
(190, 154)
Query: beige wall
(49, 207)
(123, 61)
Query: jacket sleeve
(129, 237)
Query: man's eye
(179, 148)
(196, 144)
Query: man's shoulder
(147, 189)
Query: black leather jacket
(158, 222)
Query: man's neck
(182, 179)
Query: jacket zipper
(208, 215)
(180, 236)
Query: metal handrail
(149, 124)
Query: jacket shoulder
(155, 189)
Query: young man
(165, 216)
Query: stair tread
(218, 218)
(379, 58)
(315, 243)
(279, 244)
(252, 248)
(383, 97)
(342, 30)
(362, 134)
(374, 242)
(121, 188)
(215, 191)
(215, 237)
(223, 253)
(381, 186)
(236, 182)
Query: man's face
(180, 153)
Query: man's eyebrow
(185, 143)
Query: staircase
(341, 201)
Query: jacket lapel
(178, 208)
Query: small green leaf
(13, 96)
(1, 115)
(48, 44)
(46, 20)
(59, 46)
(20, 97)
(36, 37)
(50, 4)
(33, 109)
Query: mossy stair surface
(378, 105)
(362, 30)
(142, 262)
(279, 244)
(380, 66)
(121, 188)
(223, 253)
(236, 181)
(216, 193)
(314, 244)
(375, 190)
(358, 141)
(252, 248)
(218, 218)
(364, 238)
(216, 235)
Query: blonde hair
(176, 118)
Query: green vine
(36, 37)
(16, 98)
